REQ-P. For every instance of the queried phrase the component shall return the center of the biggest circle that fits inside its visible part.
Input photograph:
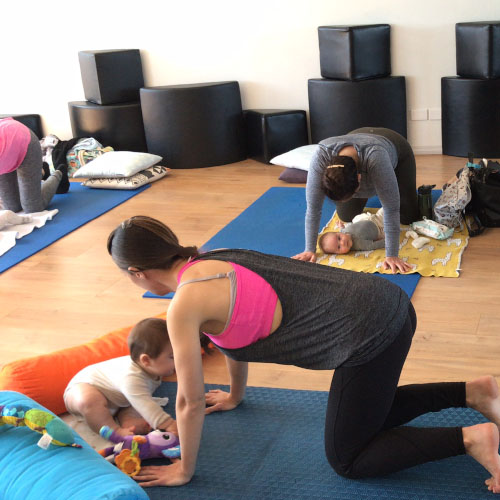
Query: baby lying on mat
(365, 232)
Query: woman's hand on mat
(305, 256)
(162, 475)
(396, 264)
(218, 400)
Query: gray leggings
(23, 189)
(405, 171)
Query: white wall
(269, 46)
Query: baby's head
(150, 347)
(336, 243)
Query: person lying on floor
(365, 232)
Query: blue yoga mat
(77, 207)
(271, 448)
(274, 224)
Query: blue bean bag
(29, 472)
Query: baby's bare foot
(481, 443)
(483, 395)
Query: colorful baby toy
(130, 450)
(53, 429)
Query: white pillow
(117, 164)
(296, 158)
(135, 181)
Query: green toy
(53, 429)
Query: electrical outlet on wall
(434, 113)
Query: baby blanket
(436, 258)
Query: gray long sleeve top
(377, 160)
(364, 234)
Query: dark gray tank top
(331, 317)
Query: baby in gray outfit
(365, 232)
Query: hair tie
(335, 166)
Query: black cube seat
(355, 52)
(336, 107)
(117, 125)
(478, 49)
(194, 125)
(271, 132)
(111, 76)
(33, 122)
(470, 117)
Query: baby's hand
(339, 225)
(170, 425)
(125, 431)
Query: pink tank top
(14, 140)
(252, 307)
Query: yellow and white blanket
(437, 258)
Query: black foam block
(355, 52)
(117, 125)
(478, 49)
(337, 107)
(111, 76)
(470, 117)
(271, 132)
(194, 125)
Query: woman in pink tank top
(303, 316)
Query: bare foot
(481, 443)
(483, 395)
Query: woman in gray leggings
(351, 168)
(21, 186)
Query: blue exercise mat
(274, 224)
(77, 207)
(271, 448)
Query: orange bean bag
(44, 378)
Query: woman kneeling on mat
(350, 169)
(21, 186)
(265, 308)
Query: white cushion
(296, 158)
(117, 164)
(135, 181)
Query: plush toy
(53, 429)
(130, 450)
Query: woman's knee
(346, 470)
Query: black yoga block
(337, 107)
(33, 122)
(478, 49)
(194, 125)
(470, 118)
(271, 132)
(355, 52)
(117, 125)
(111, 76)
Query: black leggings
(364, 436)
(406, 172)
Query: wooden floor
(72, 292)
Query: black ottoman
(355, 52)
(337, 107)
(271, 132)
(470, 117)
(194, 125)
(116, 125)
(478, 49)
(111, 76)
(33, 122)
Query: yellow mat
(437, 258)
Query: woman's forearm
(238, 375)
(190, 418)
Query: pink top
(14, 140)
(253, 312)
